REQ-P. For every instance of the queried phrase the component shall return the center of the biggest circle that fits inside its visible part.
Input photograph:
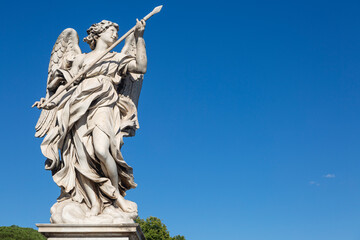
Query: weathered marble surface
(90, 106)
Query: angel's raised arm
(135, 43)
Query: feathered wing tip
(65, 50)
(45, 122)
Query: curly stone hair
(95, 30)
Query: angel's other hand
(50, 106)
(38, 103)
(139, 28)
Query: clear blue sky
(249, 115)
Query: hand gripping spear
(81, 73)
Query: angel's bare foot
(126, 205)
(131, 206)
(94, 211)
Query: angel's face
(109, 36)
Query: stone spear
(86, 69)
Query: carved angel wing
(64, 52)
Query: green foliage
(178, 237)
(18, 233)
(154, 229)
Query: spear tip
(157, 9)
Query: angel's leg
(102, 151)
(102, 146)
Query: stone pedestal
(126, 231)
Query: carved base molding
(126, 231)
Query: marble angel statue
(83, 127)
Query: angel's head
(105, 30)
